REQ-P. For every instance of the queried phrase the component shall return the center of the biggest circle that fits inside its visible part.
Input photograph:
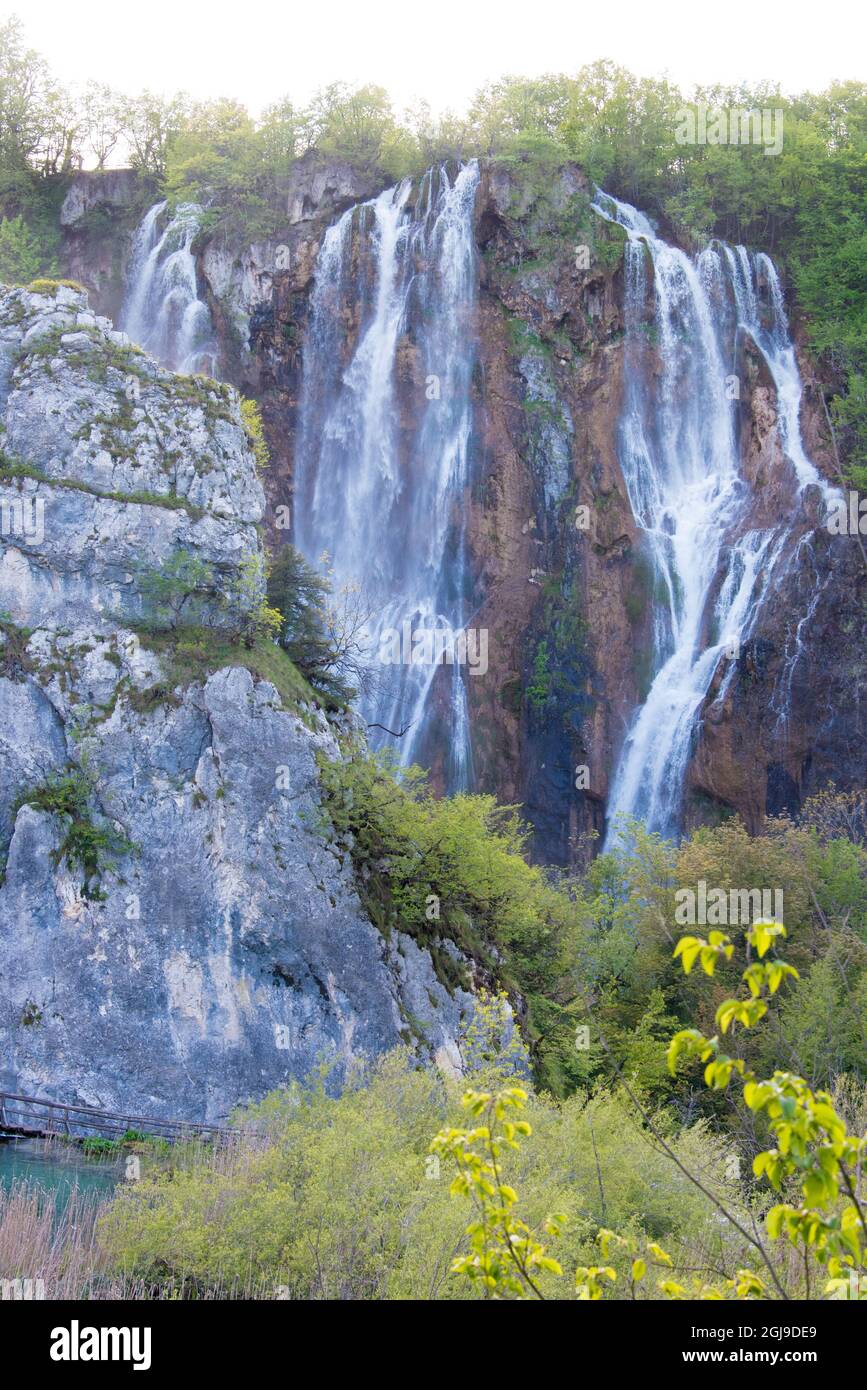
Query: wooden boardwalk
(35, 1117)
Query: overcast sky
(441, 50)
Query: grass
(61, 1249)
(192, 654)
(52, 286)
(10, 469)
(61, 1246)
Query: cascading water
(162, 311)
(678, 451)
(381, 475)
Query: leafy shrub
(454, 870)
(21, 256)
(87, 845)
(337, 1198)
(253, 424)
(311, 632)
(179, 588)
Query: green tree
(102, 121)
(177, 590)
(311, 633)
(21, 258)
(245, 604)
(149, 123)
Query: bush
(252, 417)
(453, 870)
(179, 588)
(338, 1199)
(310, 633)
(21, 256)
(87, 845)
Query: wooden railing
(36, 1117)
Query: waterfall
(383, 452)
(685, 320)
(162, 311)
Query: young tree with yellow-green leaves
(815, 1163)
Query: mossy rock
(52, 286)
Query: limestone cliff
(179, 929)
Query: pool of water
(58, 1168)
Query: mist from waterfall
(162, 311)
(710, 569)
(383, 450)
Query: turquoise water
(58, 1168)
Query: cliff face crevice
(566, 593)
(179, 930)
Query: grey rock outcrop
(222, 948)
(111, 464)
(108, 188)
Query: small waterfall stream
(383, 453)
(162, 311)
(710, 567)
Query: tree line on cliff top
(807, 205)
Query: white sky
(441, 50)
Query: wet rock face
(555, 579)
(98, 218)
(792, 721)
(568, 606)
(221, 948)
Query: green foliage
(255, 430)
(556, 687)
(539, 687)
(192, 653)
(814, 1154)
(357, 125)
(218, 157)
(88, 845)
(308, 632)
(505, 1258)
(21, 258)
(179, 589)
(629, 916)
(245, 604)
(453, 870)
(100, 1147)
(339, 1196)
